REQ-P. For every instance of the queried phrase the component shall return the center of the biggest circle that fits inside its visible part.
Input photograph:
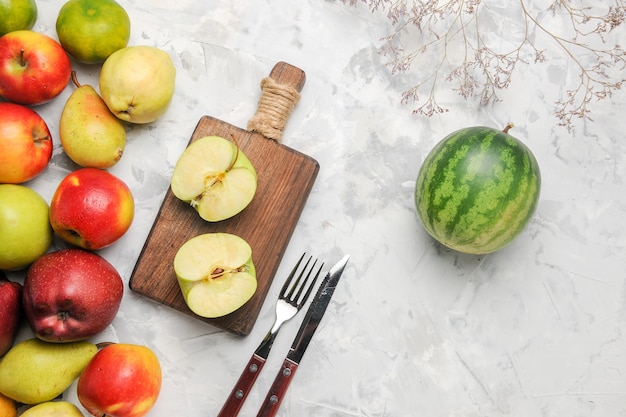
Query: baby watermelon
(477, 189)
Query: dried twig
(478, 64)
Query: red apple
(121, 380)
(10, 313)
(25, 144)
(34, 68)
(71, 295)
(91, 208)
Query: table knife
(314, 315)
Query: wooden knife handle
(242, 388)
(278, 389)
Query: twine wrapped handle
(280, 93)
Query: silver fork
(290, 301)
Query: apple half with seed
(215, 177)
(215, 273)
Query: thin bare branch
(477, 65)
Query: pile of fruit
(70, 295)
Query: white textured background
(536, 329)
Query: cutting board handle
(279, 94)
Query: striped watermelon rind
(477, 189)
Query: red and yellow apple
(91, 208)
(25, 232)
(10, 313)
(122, 380)
(25, 144)
(34, 68)
(71, 295)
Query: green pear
(34, 371)
(53, 409)
(90, 134)
(137, 83)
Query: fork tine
(283, 290)
(297, 281)
(299, 300)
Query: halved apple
(215, 177)
(215, 273)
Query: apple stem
(75, 79)
(22, 59)
(101, 345)
(507, 127)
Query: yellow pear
(53, 409)
(137, 83)
(34, 371)
(90, 134)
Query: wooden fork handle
(243, 386)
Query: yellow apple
(137, 83)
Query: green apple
(215, 273)
(91, 30)
(17, 15)
(215, 177)
(137, 83)
(25, 231)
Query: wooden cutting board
(285, 179)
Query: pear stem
(75, 79)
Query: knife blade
(312, 319)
